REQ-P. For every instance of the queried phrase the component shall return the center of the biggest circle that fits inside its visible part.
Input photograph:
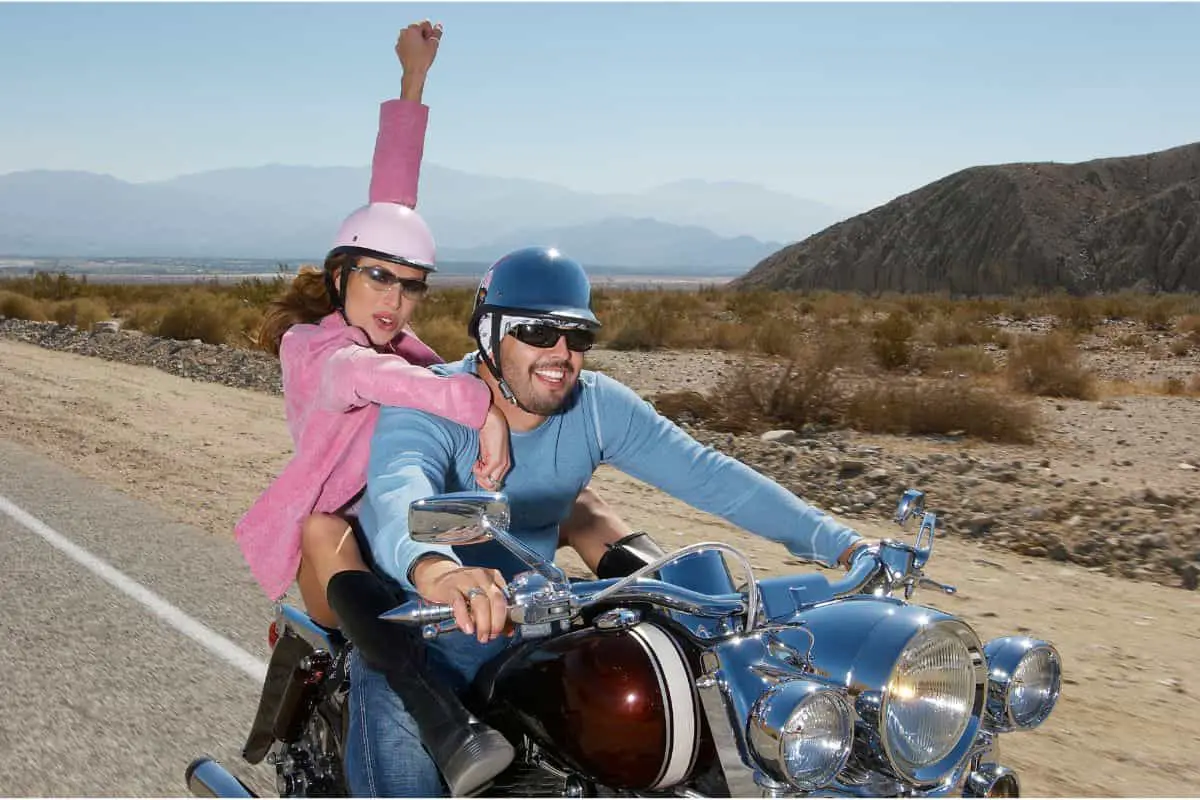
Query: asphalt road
(112, 686)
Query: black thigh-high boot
(466, 751)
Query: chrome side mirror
(458, 518)
(465, 518)
(912, 503)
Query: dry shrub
(197, 315)
(809, 392)
(775, 337)
(1074, 313)
(1049, 366)
(918, 307)
(963, 360)
(1019, 310)
(82, 313)
(1123, 305)
(957, 332)
(1156, 314)
(146, 317)
(1180, 347)
(924, 408)
(843, 347)
(645, 333)
(730, 336)
(19, 306)
(1189, 326)
(445, 336)
(829, 307)
(891, 341)
(753, 305)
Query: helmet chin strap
(494, 366)
(337, 295)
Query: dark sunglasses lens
(580, 340)
(379, 275)
(414, 288)
(385, 280)
(547, 336)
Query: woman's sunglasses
(541, 335)
(381, 280)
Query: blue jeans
(384, 755)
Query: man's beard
(539, 399)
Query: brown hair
(305, 301)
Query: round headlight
(928, 701)
(1024, 682)
(801, 732)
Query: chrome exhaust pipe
(207, 778)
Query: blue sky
(849, 103)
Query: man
(532, 323)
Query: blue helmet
(535, 282)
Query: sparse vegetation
(1049, 366)
(837, 355)
(814, 390)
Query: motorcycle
(674, 681)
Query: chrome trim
(724, 725)
(749, 607)
(206, 778)
(665, 595)
(618, 619)
(1004, 655)
(289, 616)
(770, 716)
(984, 780)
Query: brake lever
(930, 583)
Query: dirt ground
(1128, 723)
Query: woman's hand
(417, 47)
(476, 594)
(495, 457)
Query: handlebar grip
(419, 612)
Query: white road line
(197, 631)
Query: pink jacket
(334, 382)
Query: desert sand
(1128, 723)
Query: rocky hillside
(1097, 226)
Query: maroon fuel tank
(617, 705)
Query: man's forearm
(592, 527)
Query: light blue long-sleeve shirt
(415, 454)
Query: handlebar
(584, 593)
(543, 596)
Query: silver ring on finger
(474, 592)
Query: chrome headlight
(917, 678)
(1024, 682)
(801, 733)
(928, 701)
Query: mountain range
(292, 212)
(1104, 225)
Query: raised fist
(417, 46)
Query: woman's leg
(337, 584)
(327, 547)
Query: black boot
(467, 752)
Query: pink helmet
(389, 231)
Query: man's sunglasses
(381, 280)
(541, 335)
